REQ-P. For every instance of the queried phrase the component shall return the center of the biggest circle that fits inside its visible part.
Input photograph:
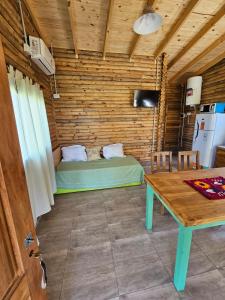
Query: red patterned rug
(212, 188)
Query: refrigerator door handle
(197, 131)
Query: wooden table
(189, 208)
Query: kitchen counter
(220, 157)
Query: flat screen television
(146, 98)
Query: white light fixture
(147, 23)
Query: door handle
(197, 131)
(37, 255)
(34, 254)
(44, 270)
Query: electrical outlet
(56, 96)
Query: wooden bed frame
(57, 156)
(80, 183)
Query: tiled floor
(96, 247)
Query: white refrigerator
(209, 132)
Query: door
(20, 272)
(203, 142)
(205, 122)
(13, 280)
(203, 137)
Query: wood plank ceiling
(193, 31)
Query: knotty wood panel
(96, 104)
(12, 38)
(182, 22)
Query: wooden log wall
(188, 128)
(96, 103)
(212, 91)
(214, 84)
(172, 118)
(12, 37)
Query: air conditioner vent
(41, 55)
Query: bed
(99, 174)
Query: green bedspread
(101, 174)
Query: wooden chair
(188, 160)
(161, 162)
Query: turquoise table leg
(149, 207)
(182, 257)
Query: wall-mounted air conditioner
(41, 55)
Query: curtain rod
(24, 75)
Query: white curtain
(34, 137)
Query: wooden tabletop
(188, 205)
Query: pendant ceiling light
(149, 22)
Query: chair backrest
(188, 160)
(161, 161)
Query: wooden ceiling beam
(176, 25)
(199, 35)
(212, 46)
(31, 10)
(107, 30)
(138, 36)
(211, 63)
(134, 44)
(72, 17)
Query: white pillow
(73, 146)
(74, 153)
(114, 150)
